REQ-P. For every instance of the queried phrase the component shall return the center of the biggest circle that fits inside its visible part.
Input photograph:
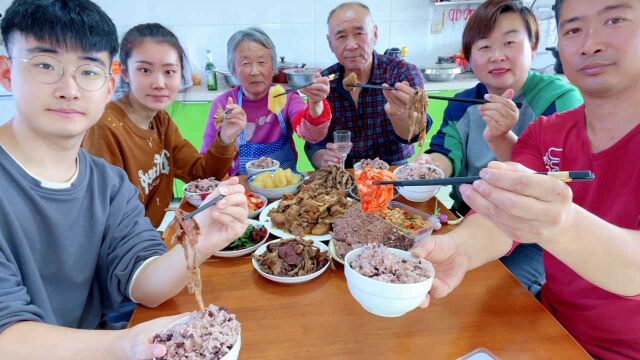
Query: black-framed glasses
(49, 70)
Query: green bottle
(210, 70)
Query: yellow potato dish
(278, 179)
(276, 104)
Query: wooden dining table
(321, 320)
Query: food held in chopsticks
(276, 103)
(187, 234)
(310, 211)
(417, 115)
(374, 198)
(292, 257)
(207, 334)
(350, 82)
(333, 177)
(564, 176)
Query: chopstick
(434, 97)
(564, 176)
(288, 91)
(203, 207)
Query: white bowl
(195, 199)
(251, 170)
(274, 194)
(249, 250)
(290, 279)
(253, 214)
(233, 354)
(419, 193)
(358, 166)
(381, 298)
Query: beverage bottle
(403, 53)
(210, 70)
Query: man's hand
(529, 208)
(396, 109)
(328, 156)
(500, 115)
(225, 221)
(137, 343)
(449, 262)
(316, 93)
(233, 123)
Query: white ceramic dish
(249, 250)
(253, 214)
(266, 220)
(288, 279)
(274, 194)
(233, 354)
(419, 193)
(381, 298)
(251, 170)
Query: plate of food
(291, 261)
(308, 214)
(255, 235)
(255, 203)
(197, 190)
(275, 183)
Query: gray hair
(253, 34)
(346, 4)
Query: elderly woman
(251, 58)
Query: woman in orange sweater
(137, 134)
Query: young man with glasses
(73, 237)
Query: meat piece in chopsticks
(417, 110)
(219, 116)
(187, 233)
(374, 198)
(350, 82)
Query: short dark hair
(556, 9)
(484, 19)
(151, 31)
(345, 4)
(66, 24)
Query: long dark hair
(155, 32)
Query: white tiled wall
(297, 27)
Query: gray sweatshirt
(68, 255)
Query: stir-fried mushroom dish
(292, 257)
(310, 211)
(332, 177)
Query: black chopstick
(369, 86)
(465, 100)
(564, 176)
(203, 207)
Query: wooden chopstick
(288, 91)
(564, 176)
(434, 97)
(203, 207)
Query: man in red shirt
(589, 230)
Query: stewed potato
(277, 179)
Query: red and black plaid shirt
(372, 134)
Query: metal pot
(280, 76)
(228, 78)
(440, 72)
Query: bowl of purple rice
(385, 281)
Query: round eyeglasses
(48, 70)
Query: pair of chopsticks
(434, 97)
(203, 207)
(288, 91)
(564, 176)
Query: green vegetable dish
(251, 237)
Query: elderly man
(376, 118)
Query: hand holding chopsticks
(564, 176)
(294, 89)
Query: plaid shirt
(372, 134)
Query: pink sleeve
(211, 131)
(308, 128)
